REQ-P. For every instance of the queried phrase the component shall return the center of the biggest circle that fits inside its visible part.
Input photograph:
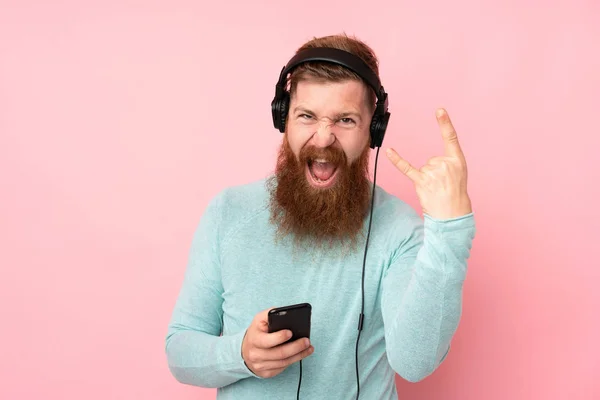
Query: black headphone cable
(362, 311)
(299, 382)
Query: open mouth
(321, 173)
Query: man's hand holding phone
(267, 354)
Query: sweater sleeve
(196, 352)
(422, 294)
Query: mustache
(333, 155)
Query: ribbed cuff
(449, 225)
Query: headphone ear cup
(373, 130)
(279, 110)
(378, 127)
(284, 106)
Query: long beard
(314, 216)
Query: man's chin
(320, 184)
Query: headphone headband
(280, 104)
(335, 56)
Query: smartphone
(295, 318)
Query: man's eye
(347, 120)
(305, 116)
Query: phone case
(295, 318)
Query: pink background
(120, 120)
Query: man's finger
(272, 368)
(267, 340)
(286, 350)
(262, 320)
(282, 363)
(448, 134)
(404, 166)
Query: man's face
(322, 190)
(328, 116)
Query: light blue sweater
(413, 298)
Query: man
(298, 237)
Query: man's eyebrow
(337, 116)
(348, 114)
(304, 110)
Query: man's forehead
(346, 96)
(348, 85)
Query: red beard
(323, 216)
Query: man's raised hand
(441, 184)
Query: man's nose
(324, 136)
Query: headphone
(281, 102)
